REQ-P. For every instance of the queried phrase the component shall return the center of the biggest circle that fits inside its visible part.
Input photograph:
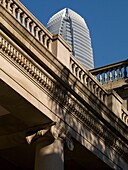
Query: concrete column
(50, 157)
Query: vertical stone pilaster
(50, 157)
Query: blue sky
(107, 21)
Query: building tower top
(73, 28)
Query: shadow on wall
(80, 118)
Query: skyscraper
(72, 27)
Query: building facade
(72, 27)
(54, 114)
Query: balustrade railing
(25, 62)
(87, 79)
(19, 12)
(111, 72)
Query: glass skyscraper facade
(72, 27)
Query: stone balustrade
(19, 12)
(26, 63)
(111, 72)
(87, 79)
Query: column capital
(60, 131)
(34, 134)
(31, 138)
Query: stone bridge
(54, 114)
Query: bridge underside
(17, 117)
